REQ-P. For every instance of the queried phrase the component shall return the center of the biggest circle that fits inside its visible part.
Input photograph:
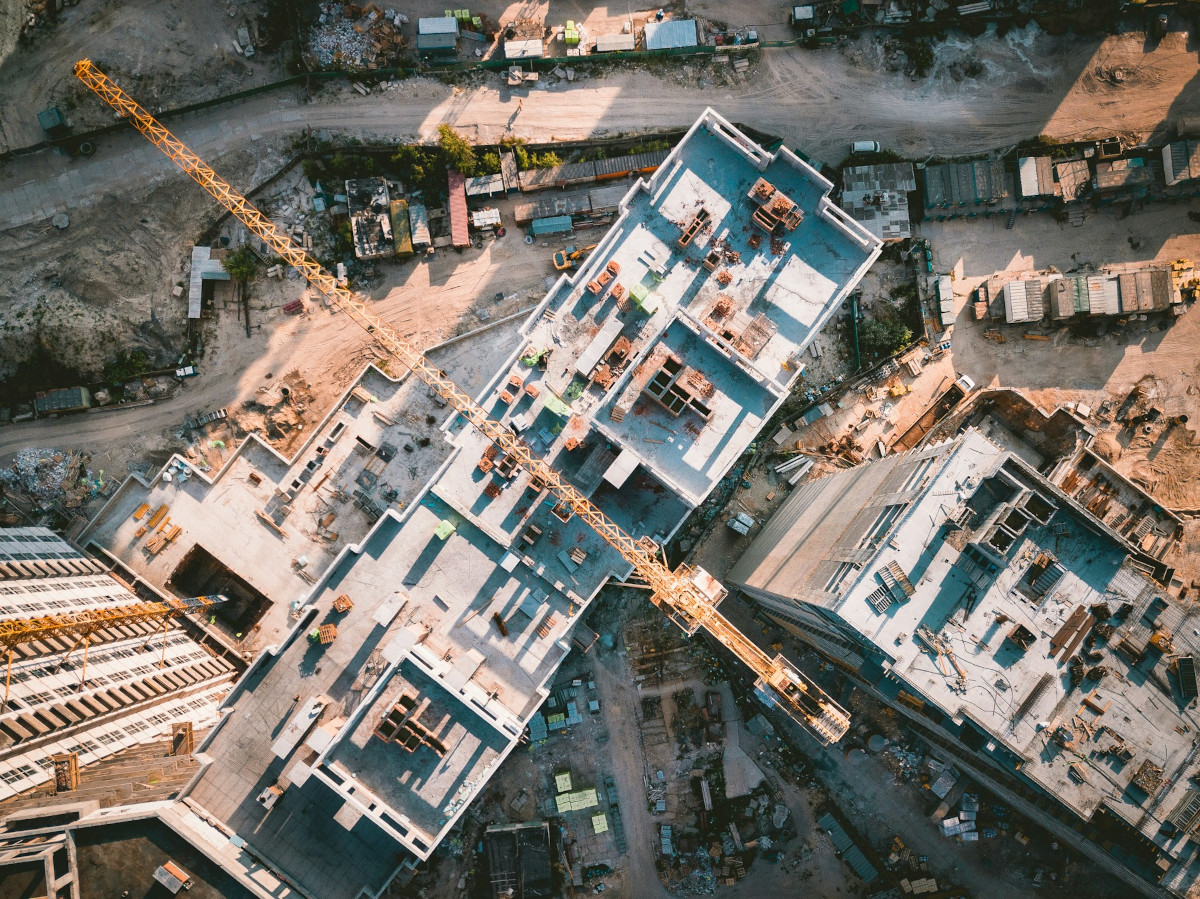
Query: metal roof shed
(523, 49)
(485, 186)
(557, 224)
(437, 43)
(418, 218)
(670, 35)
(441, 25)
(615, 43)
(459, 220)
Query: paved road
(816, 101)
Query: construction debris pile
(348, 35)
(50, 477)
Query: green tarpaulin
(557, 406)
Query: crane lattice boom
(81, 624)
(689, 596)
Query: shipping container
(401, 229)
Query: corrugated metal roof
(459, 222)
(889, 176)
(1103, 296)
(1181, 161)
(1029, 177)
(1023, 300)
(850, 853)
(572, 173)
(437, 42)
(670, 34)
(609, 43)
(552, 205)
(508, 168)
(485, 186)
(635, 162)
(1064, 297)
(440, 25)
(523, 49)
(418, 218)
(1128, 291)
(963, 183)
(555, 225)
(607, 199)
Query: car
(865, 146)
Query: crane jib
(677, 592)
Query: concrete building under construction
(973, 595)
(421, 651)
(66, 708)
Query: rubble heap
(49, 477)
(355, 36)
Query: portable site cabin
(672, 34)
(401, 229)
(459, 221)
(524, 49)
(418, 219)
(615, 43)
(437, 37)
(558, 224)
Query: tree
(489, 163)
(879, 338)
(459, 152)
(241, 263)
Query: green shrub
(241, 263)
(459, 152)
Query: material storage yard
(564, 487)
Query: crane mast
(689, 596)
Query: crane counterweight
(689, 596)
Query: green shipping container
(401, 231)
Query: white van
(865, 146)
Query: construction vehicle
(689, 596)
(569, 257)
(81, 625)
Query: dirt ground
(1157, 357)
(319, 351)
(166, 53)
(81, 293)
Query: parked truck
(938, 409)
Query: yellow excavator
(569, 257)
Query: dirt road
(613, 685)
(816, 101)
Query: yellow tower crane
(689, 596)
(82, 624)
